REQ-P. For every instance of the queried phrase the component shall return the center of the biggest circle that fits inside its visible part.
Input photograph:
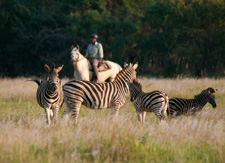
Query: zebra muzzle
(53, 87)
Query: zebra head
(135, 88)
(75, 54)
(53, 76)
(211, 96)
(125, 64)
(131, 70)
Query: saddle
(102, 67)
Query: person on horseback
(94, 53)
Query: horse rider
(94, 54)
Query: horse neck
(81, 61)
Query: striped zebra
(155, 101)
(179, 106)
(98, 95)
(49, 93)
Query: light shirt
(95, 50)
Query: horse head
(75, 53)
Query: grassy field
(25, 137)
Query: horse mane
(137, 84)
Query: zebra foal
(49, 93)
(98, 95)
(179, 106)
(155, 101)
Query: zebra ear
(125, 64)
(47, 68)
(59, 68)
(72, 47)
(208, 91)
(135, 66)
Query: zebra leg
(139, 114)
(55, 114)
(143, 118)
(75, 111)
(162, 116)
(114, 111)
(51, 115)
(47, 112)
(66, 112)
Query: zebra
(98, 95)
(49, 93)
(155, 101)
(179, 106)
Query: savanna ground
(25, 137)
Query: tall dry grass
(25, 137)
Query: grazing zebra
(156, 102)
(49, 93)
(98, 95)
(179, 106)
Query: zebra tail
(167, 105)
(36, 81)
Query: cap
(94, 35)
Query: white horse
(83, 69)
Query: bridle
(78, 58)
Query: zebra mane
(137, 84)
(122, 71)
(204, 92)
(207, 92)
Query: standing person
(94, 54)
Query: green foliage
(167, 37)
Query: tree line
(168, 38)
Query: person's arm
(101, 55)
(86, 55)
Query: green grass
(25, 137)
